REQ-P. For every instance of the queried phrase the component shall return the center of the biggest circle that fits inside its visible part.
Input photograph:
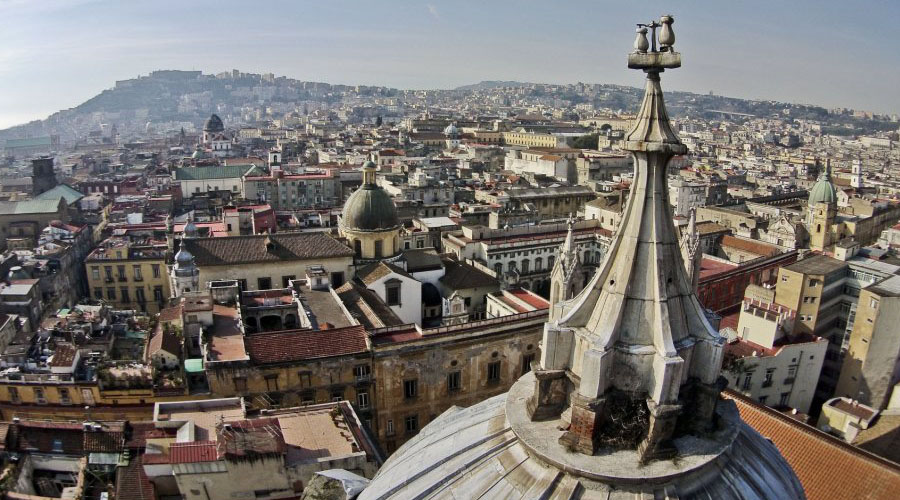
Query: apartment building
(129, 274)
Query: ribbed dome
(823, 191)
(491, 450)
(183, 257)
(369, 208)
(451, 130)
(213, 124)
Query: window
(13, 395)
(357, 248)
(410, 388)
(120, 270)
(453, 381)
(526, 264)
(538, 263)
(95, 272)
(64, 396)
(240, 384)
(812, 282)
(125, 297)
(392, 293)
(783, 401)
(336, 396)
(527, 359)
(111, 293)
(98, 293)
(770, 373)
(498, 269)
(389, 428)
(139, 294)
(155, 270)
(138, 276)
(107, 270)
(745, 386)
(305, 379)
(412, 423)
(873, 303)
(39, 395)
(272, 382)
(511, 266)
(762, 399)
(308, 397)
(286, 280)
(362, 372)
(158, 293)
(264, 283)
(493, 372)
(379, 248)
(550, 261)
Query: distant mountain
(167, 100)
(492, 84)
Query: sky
(55, 54)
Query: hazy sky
(55, 54)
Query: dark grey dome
(214, 124)
(370, 208)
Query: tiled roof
(110, 438)
(374, 272)
(132, 482)
(827, 467)
(199, 451)
(461, 276)
(163, 340)
(756, 247)
(254, 249)
(296, 345)
(50, 437)
(209, 173)
(366, 306)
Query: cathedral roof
(823, 191)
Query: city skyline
(52, 59)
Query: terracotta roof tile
(199, 451)
(827, 467)
(296, 345)
(254, 248)
(757, 247)
(132, 482)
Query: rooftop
(265, 248)
(297, 345)
(817, 265)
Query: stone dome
(369, 208)
(493, 450)
(213, 124)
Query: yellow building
(129, 275)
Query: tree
(588, 141)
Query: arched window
(526, 264)
(357, 248)
(550, 261)
(538, 262)
(511, 266)
(498, 269)
(379, 248)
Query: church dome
(213, 124)
(369, 208)
(823, 191)
(451, 130)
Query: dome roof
(183, 258)
(213, 124)
(369, 208)
(199, 154)
(451, 130)
(493, 450)
(823, 191)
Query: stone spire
(636, 339)
(565, 277)
(690, 250)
